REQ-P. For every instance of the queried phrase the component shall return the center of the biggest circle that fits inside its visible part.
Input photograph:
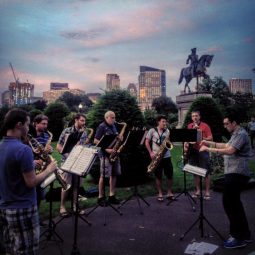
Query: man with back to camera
(19, 219)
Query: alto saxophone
(166, 145)
(118, 146)
(41, 152)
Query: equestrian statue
(196, 69)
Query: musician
(107, 169)
(156, 136)
(40, 124)
(19, 218)
(237, 152)
(67, 140)
(196, 158)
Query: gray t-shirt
(156, 139)
(238, 162)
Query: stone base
(184, 100)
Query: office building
(112, 81)
(242, 86)
(152, 84)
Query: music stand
(136, 137)
(184, 135)
(50, 231)
(79, 163)
(201, 173)
(105, 142)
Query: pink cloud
(214, 49)
(248, 40)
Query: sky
(80, 41)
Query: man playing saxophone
(154, 139)
(67, 140)
(40, 124)
(107, 168)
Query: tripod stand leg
(50, 231)
(216, 231)
(183, 235)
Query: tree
(72, 101)
(219, 90)
(133, 160)
(56, 113)
(210, 114)
(122, 103)
(150, 116)
(3, 111)
(164, 105)
(40, 105)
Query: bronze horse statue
(200, 70)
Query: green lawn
(145, 190)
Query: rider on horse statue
(193, 58)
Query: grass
(147, 189)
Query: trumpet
(41, 152)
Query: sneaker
(248, 240)
(101, 201)
(113, 200)
(233, 243)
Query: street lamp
(80, 106)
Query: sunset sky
(80, 41)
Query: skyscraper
(152, 84)
(240, 85)
(112, 81)
(21, 93)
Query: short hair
(14, 116)
(39, 118)
(79, 115)
(196, 111)
(160, 117)
(232, 115)
(108, 113)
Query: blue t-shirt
(16, 158)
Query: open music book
(195, 170)
(80, 160)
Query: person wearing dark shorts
(154, 139)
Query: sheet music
(195, 170)
(80, 159)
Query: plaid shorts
(20, 229)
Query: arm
(148, 147)
(32, 180)
(220, 148)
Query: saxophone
(86, 139)
(41, 152)
(118, 146)
(166, 145)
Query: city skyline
(80, 42)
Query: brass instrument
(118, 146)
(41, 152)
(87, 140)
(166, 145)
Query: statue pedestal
(184, 100)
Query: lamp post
(80, 106)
